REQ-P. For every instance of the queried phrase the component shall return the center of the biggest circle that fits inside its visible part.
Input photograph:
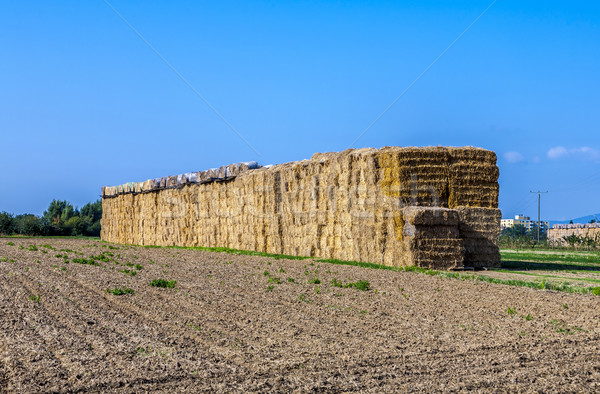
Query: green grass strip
(569, 258)
(543, 285)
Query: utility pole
(539, 193)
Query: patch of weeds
(36, 298)
(129, 272)
(83, 260)
(48, 247)
(266, 273)
(11, 244)
(169, 284)
(101, 257)
(139, 267)
(317, 290)
(363, 312)
(63, 268)
(112, 247)
(44, 251)
(3, 259)
(595, 290)
(32, 248)
(142, 351)
(275, 280)
(37, 261)
(302, 297)
(565, 306)
(511, 311)
(21, 247)
(291, 280)
(282, 270)
(315, 281)
(197, 328)
(151, 261)
(26, 269)
(270, 288)
(120, 291)
(362, 285)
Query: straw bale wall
(432, 207)
(557, 233)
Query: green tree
(77, 225)
(516, 231)
(7, 223)
(93, 210)
(573, 239)
(28, 224)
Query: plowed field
(248, 323)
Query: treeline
(518, 236)
(61, 218)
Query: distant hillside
(583, 219)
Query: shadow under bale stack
(434, 207)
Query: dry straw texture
(434, 207)
(558, 233)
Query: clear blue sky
(84, 102)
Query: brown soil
(221, 329)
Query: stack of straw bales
(434, 207)
(558, 232)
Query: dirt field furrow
(248, 323)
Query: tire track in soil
(126, 315)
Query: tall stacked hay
(434, 207)
(559, 234)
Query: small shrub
(163, 283)
(129, 272)
(362, 285)
(120, 291)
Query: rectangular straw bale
(480, 229)
(473, 178)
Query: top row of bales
(174, 181)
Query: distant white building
(525, 221)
